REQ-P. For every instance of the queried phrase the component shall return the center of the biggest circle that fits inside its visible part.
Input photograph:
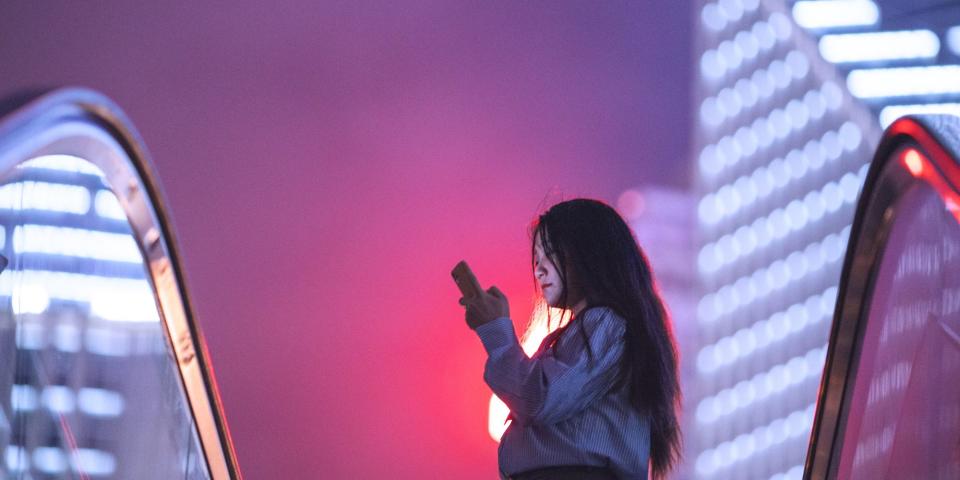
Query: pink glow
(326, 165)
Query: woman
(599, 398)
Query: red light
(914, 162)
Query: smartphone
(466, 280)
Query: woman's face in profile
(545, 271)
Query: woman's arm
(555, 383)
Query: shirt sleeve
(555, 383)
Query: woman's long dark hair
(589, 242)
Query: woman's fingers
(493, 290)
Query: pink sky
(327, 165)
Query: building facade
(791, 98)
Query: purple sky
(327, 164)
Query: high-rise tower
(790, 98)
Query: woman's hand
(486, 307)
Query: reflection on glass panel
(88, 385)
(904, 415)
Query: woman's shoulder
(595, 316)
(599, 311)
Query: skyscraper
(782, 150)
(789, 96)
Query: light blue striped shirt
(563, 406)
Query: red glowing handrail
(913, 149)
